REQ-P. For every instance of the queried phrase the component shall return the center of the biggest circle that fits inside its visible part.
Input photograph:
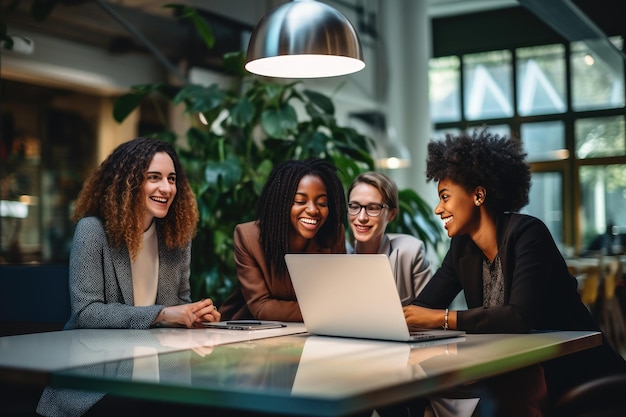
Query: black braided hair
(276, 200)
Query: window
(604, 198)
(544, 141)
(599, 136)
(546, 199)
(541, 80)
(488, 91)
(445, 96)
(597, 78)
(566, 103)
(36, 193)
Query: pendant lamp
(392, 154)
(389, 152)
(304, 39)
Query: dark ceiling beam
(145, 41)
(569, 21)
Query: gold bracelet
(445, 320)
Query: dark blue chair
(33, 298)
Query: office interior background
(553, 76)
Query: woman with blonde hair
(372, 205)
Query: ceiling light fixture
(389, 152)
(304, 39)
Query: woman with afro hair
(301, 210)
(514, 278)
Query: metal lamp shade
(304, 39)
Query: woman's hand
(189, 315)
(428, 318)
(206, 310)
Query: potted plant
(251, 125)
(248, 128)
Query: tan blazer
(262, 294)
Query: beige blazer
(409, 264)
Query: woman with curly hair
(130, 258)
(301, 210)
(514, 278)
(131, 252)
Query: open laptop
(353, 296)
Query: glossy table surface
(287, 372)
(33, 357)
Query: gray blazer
(101, 296)
(411, 268)
(101, 284)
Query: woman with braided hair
(301, 210)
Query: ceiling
(121, 26)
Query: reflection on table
(31, 358)
(326, 376)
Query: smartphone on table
(244, 325)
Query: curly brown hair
(114, 194)
(483, 159)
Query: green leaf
(321, 101)
(198, 140)
(348, 168)
(262, 172)
(200, 23)
(242, 113)
(274, 93)
(234, 63)
(224, 174)
(126, 104)
(313, 144)
(199, 98)
(280, 123)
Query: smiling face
(159, 187)
(367, 230)
(308, 212)
(457, 208)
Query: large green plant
(251, 126)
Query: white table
(291, 374)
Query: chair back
(601, 397)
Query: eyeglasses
(372, 210)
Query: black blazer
(539, 294)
